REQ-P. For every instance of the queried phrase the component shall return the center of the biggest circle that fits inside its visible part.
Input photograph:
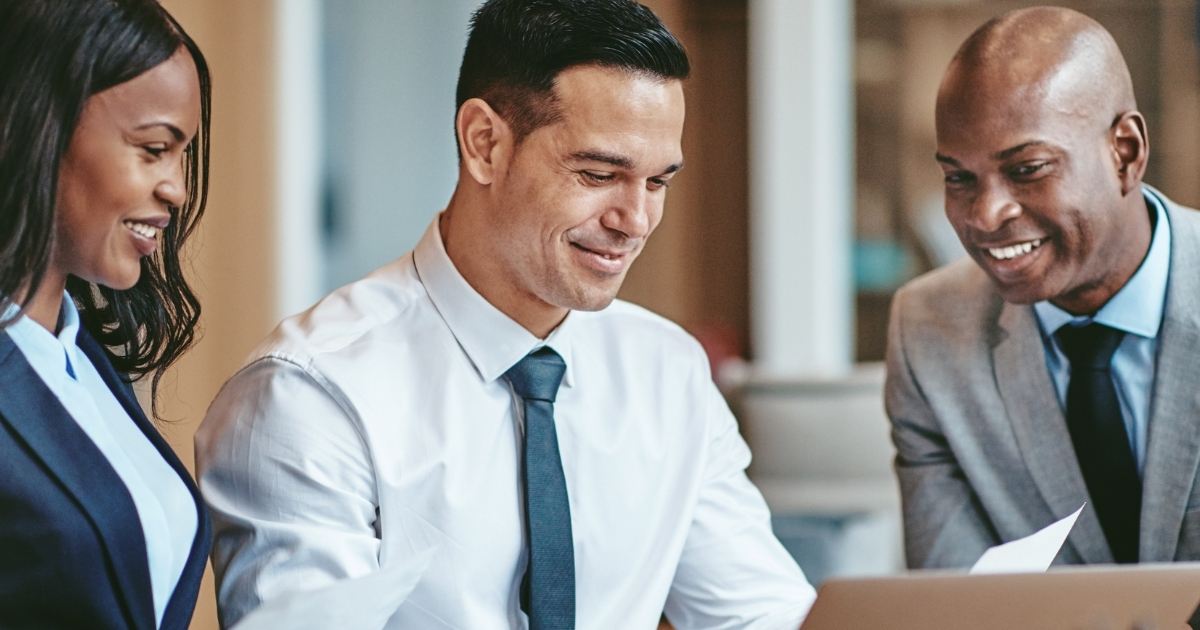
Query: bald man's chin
(1023, 293)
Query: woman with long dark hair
(104, 127)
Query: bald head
(1048, 56)
(1043, 153)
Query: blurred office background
(810, 194)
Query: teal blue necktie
(548, 587)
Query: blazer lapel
(1041, 429)
(34, 413)
(183, 599)
(1173, 449)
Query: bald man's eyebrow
(945, 159)
(176, 132)
(1007, 153)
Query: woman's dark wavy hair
(516, 48)
(54, 55)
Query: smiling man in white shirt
(566, 456)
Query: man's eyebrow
(175, 131)
(620, 161)
(1007, 153)
(999, 155)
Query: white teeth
(1012, 251)
(143, 229)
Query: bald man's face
(1032, 190)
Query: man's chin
(589, 298)
(1021, 295)
(594, 304)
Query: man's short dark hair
(516, 48)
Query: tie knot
(537, 376)
(1091, 346)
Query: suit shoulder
(1185, 221)
(957, 298)
(954, 278)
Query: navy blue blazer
(72, 554)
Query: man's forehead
(605, 92)
(999, 139)
(1001, 124)
(626, 119)
(1064, 90)
(995, 89)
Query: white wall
(801, 186)
(390, 68)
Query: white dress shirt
(376, 425)
(164, 505)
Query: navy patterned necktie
(1099, 437)
(548, 588)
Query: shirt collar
(42, 348)
(1137, 307)
(492, 341)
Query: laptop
(1101, 597)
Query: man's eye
(658, 183)
(1028, 169)
(958, 178)
(597, 177)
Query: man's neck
(467, 256)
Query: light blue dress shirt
(164, 506)
(1136, 309)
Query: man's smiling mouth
(1012, 251)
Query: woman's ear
(483, 139)
(1131, 149)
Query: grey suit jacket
(983, 452)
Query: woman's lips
(145, 235)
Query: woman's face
(122, 171)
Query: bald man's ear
(484, 139)
(1131, 149)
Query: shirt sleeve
(733, 572)
(288, 479)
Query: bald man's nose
(991, 208)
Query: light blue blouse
(164, 506)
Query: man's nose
(631, 212)
(992, 207)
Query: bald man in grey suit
(1043, 151)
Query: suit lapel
(1040, 428)
(35, 414)
(1173, 449)
(183, 599)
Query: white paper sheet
(364, 602)
(1031, 554)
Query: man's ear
(483, 137)
(1131, 149)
